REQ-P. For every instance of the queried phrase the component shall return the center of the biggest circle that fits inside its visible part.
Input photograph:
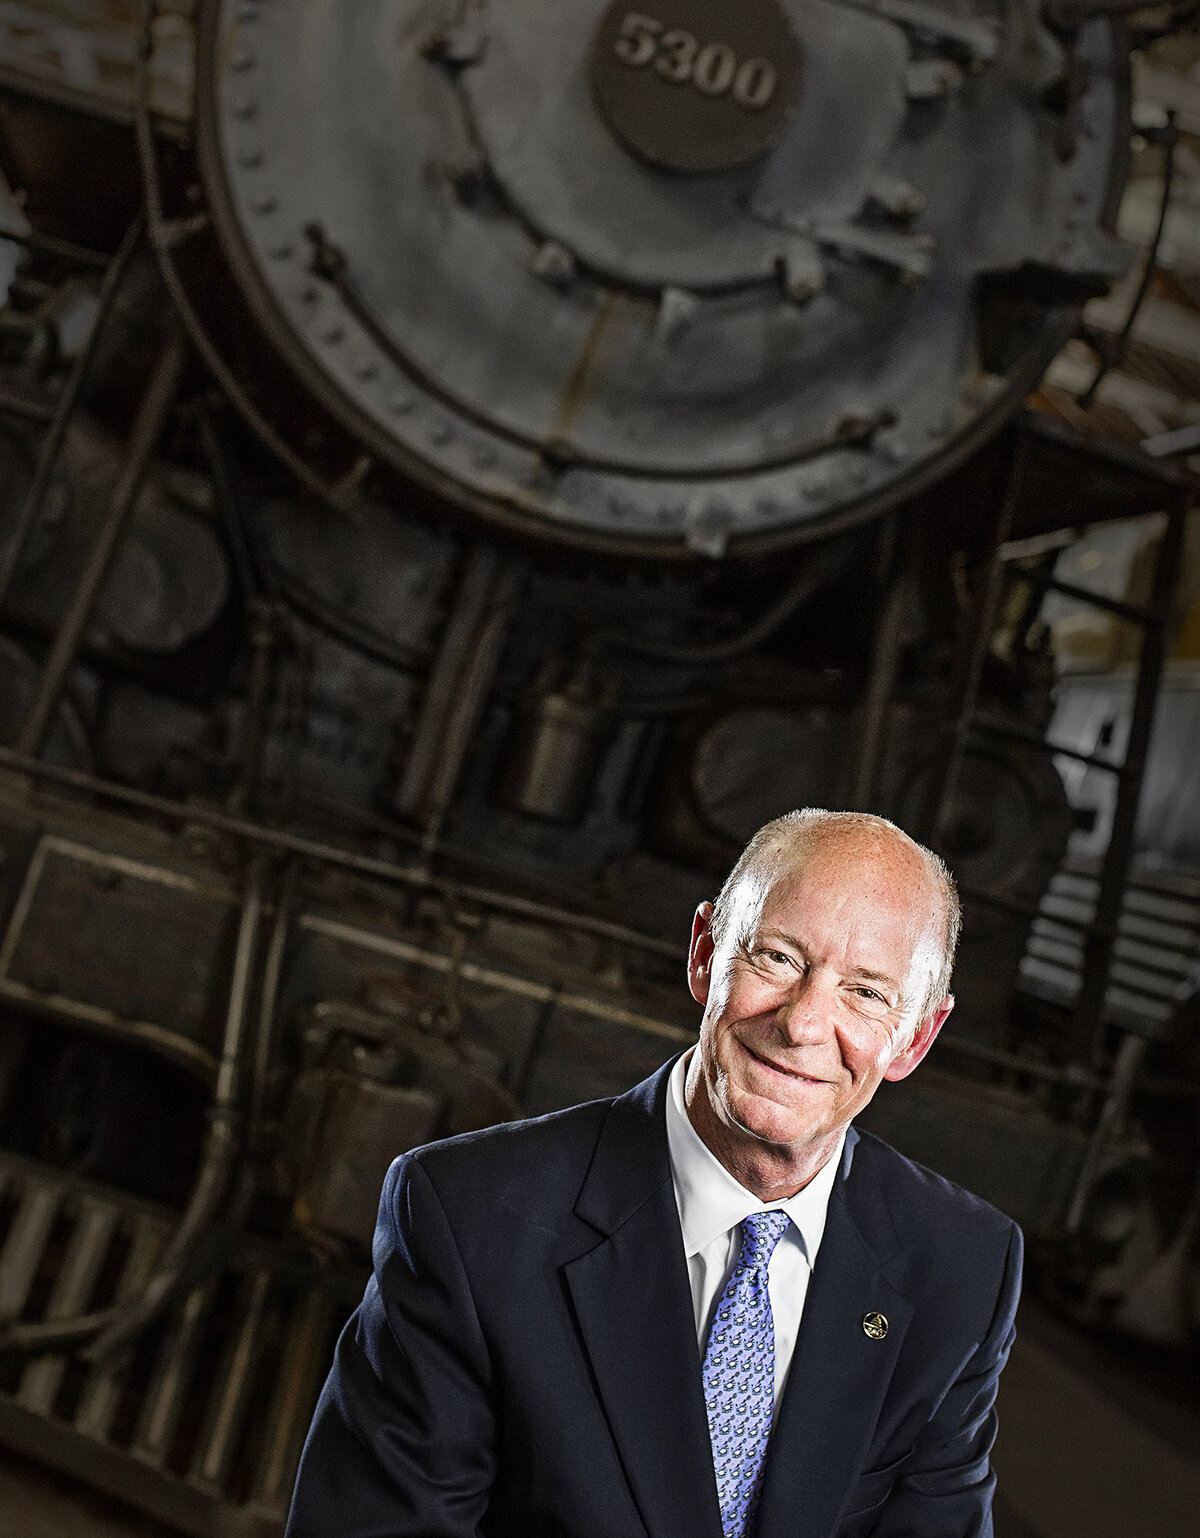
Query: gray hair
(800, 830)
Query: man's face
(816, 992)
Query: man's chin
(769, 1121)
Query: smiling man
(709, 1308)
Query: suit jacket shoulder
(522, 1176)
(934, 1237)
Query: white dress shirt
(712, 1205)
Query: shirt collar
(711, 1201)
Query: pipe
(386, 870)
(222, 1142)
(147, 429)
(891, 632)
(826, 564)
(64, 409)
(109, 1329)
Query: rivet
(332, 334)
(283, 252)
(245, 110)
(243, 60)
(310, 294)
(441, 432)
(484, 457)
(249, 158)
(264, 203)
(400, 403)
(366, 368)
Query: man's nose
(804, 1015)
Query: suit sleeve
(402, 1442)
(947, 1486)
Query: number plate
(696, 85)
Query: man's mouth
(786, 1073)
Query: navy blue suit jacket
(524, 1362)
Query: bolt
(803, 274)
(553, 263)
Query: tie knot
(761, 1232)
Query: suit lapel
(839, 1374)
(633, 1303)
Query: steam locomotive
(467, 464)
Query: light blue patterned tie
(739, 1373)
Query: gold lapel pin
(875, 1325)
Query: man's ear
(700, 954)
(923, 1038)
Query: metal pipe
(147, 429)
(268, 1006)
(454, 694)
(822, 568)
(276, 838)
(891, 632)
(222, 1142)
(109, 1329)
(64, 409)
(468, 701)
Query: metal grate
(1156, 953)
(202, 1423)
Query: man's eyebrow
(782, 934)
(867, 976)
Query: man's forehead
(889, 893)
(841, 859)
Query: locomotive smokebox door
(676, 278)
(696, 86)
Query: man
(708, 1307)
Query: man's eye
(869, 993)
(777, 957)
